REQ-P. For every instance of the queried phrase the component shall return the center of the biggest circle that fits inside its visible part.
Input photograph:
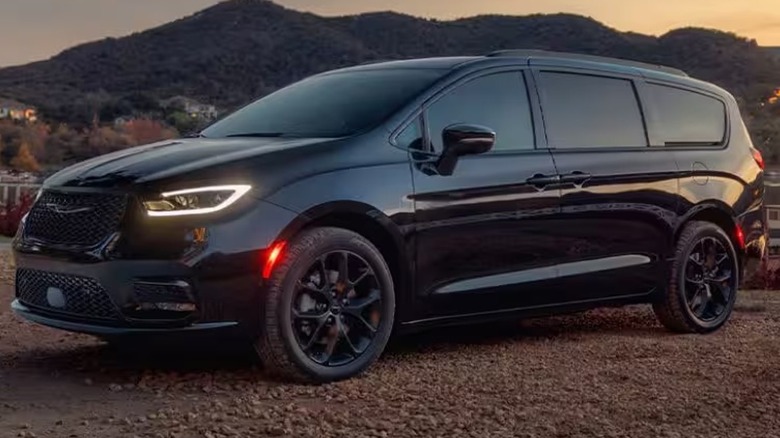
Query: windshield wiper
(258, 134)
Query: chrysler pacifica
(396, 196)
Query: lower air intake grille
(171, 292)
(67, 294)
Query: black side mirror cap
(460, 140)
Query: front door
(485, 236)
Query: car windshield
(331, 105)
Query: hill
(240, 49)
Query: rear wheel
(329, 307)
(703, 286)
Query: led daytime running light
(238, 192)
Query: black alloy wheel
(703, 283)
(710, 272)
(337, 308)
(329, 307)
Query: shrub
(12, 213)
(766, 277)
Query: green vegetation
(238, 50)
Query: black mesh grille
(82, 296)
(78, 219)
(162, 293)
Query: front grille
(75, 219)
(83, 296)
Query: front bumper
(223, 298)
(110, 331)
(220, 275)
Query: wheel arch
(370, 223)
(718, 213)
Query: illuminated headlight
(201, 200)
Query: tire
(309, 259)
(674, 308)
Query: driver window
(498, 101)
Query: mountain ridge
(237, 50)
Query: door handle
(541, 181)
(577, 178)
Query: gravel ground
(607, 373)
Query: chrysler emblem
(62, 209)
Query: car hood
(167, 160)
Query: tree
(25, 160)
(102, 140)
(183, 122)
(144, 131)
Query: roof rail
(589, 58)
(377, 61)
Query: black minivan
(395, 196)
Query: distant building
(122, 121)
(192, 107)
(772, 204)
(11, 109)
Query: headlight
(201, 200)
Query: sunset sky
(38, 29)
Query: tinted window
(411, 136)
(686, 117)
(333, 105)
(591, 111)
(498, 101)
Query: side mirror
(461, 140)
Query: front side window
(331, 105)
(497, 101)
(411, 137)
(583, 111)
(686, 117)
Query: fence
(12, 192)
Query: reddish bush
(145, 131)
(12, 213)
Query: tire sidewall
(706, 230)
(337, 241)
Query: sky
(38, 29)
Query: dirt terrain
(607, 373)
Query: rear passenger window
(686, 117)
(498, 101)
(582, 111)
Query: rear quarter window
(687, 118)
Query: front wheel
(329, 307)
(703, 286)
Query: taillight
(758, 157)
(740, 235)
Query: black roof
(541, 58)
(543, 54)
